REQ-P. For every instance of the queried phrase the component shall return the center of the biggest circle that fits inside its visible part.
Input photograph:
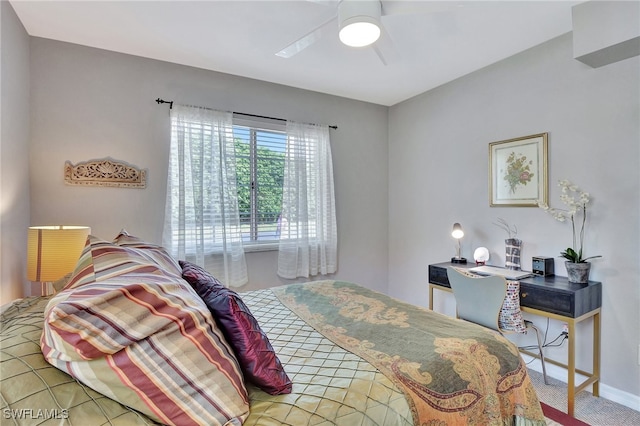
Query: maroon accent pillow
(197, 276)
(256, 356)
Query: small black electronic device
(542, 266)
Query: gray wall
(14, 154)
(89, 103)
(438, 156)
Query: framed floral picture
(518, 172)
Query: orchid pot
(578, 272)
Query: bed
(135, 337)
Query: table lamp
(457, 233)
(52, 252)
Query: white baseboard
(608, 392)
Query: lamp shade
(53, 251)
(457, 231)
(359, 22)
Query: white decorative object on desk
(481, 255)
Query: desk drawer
(438, 275)
(547, 300)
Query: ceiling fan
(359, 24)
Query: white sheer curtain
(202, 224)
(309, 238)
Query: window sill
(250, 248)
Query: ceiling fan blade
(306, 40)
(385, 49)
(381, 55)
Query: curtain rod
(162, 101)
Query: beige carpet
(592, 410)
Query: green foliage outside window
(269, 176)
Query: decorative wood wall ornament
(105, 172)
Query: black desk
(551, 297)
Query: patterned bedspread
(331, 386)
(453, 372)
(359, 381)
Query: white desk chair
(480, 300)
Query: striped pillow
(141, 336)
(152, 252)
(100, 259)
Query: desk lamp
(52, 252)
(457, 233)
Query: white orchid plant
(576, 201)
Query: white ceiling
(427, 43)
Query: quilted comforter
(355, 357)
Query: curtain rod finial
(162, 101)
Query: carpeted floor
(592, 410)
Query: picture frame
(518, 175)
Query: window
(260, 152)
(236, 184)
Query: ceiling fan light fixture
(359, 33)
(359, 22)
